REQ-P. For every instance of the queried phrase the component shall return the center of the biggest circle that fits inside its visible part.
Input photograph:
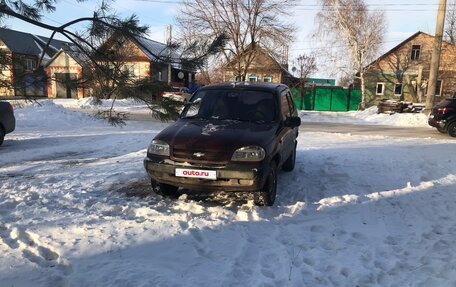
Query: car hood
(219, 139)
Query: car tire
(267, 195)
(164, 189)
(2, 135)
(290, 162)
(452, 129)
(442, 130)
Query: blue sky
(404, 17)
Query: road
(391, 131)
(355, 129)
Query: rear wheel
(164, 189)
(267, 195)
(452, 129)
(443, 131)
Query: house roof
(157, 51)
(267, 54)
(30, 44)
(75, 54)
(398, 46)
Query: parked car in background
(443, 117)
(230, 137)
(7, 120)
(178, 94)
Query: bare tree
(355, 32)
(450, 23)
(246, 23)
(305, 65)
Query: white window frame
(269, 79)
(252, 76)
(160, 76)
(402, 89)
(383, 89)
(441, 88)
(30, 64)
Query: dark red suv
(443, 117)
(230, 137)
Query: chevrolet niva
(230, 137)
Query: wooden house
(147, 58)
(21, 70)
(261, 67)
(403, 72)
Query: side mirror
(293, 122)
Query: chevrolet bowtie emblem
(198, 154)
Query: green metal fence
(326, 98)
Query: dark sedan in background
(443, 117)
(7, 120)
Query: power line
(328, 47)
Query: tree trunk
(362, 105)
(411, 88)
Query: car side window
(291, 103)
(284, 106)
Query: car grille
(205, 156)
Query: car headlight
(249, 153)
(158, 147)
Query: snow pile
(47, 114)
(368, 116)
(90, 103)
(76, 210)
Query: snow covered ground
(369, 116)
(76, 210)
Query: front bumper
(234, 177)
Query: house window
(438, 88)
(253, 78)
(267, 79)
(160, 76)
(129, 70)
(398, 90)
(380, 89)
(416, 51)
(30, 64)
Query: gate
(326, 98)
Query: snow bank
(90, 103)
(368, 116)
(46, 114)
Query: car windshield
(255, 106)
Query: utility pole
(169, 43)
(435, 61)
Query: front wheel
(267, 195)
(290, 162)
(164, 189)
(452, 129)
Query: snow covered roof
(156, 51)
(30, 44)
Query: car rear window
(241, 105)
